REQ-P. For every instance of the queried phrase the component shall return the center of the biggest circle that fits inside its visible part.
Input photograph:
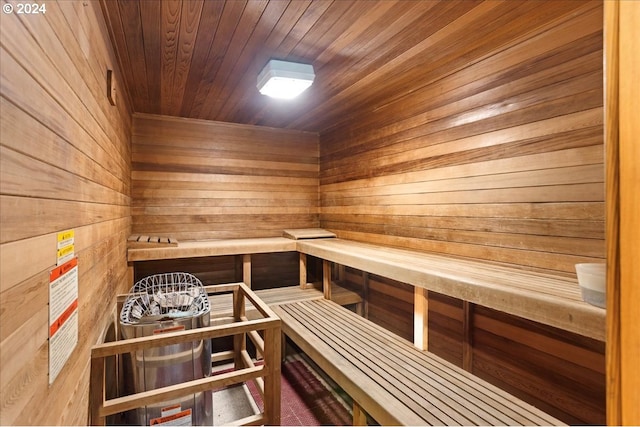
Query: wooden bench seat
(221, 305)
(204, 248)
(549, 299)
(392, 380)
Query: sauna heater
(159, 304)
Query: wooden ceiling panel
(201, 58)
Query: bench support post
(326, 278)
(303, 270)
(359, 415)
(421, 318)
(246, 269)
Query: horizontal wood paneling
(267, 270)
(195, 180)
(560, 372)
(497, 155)
(64, 164)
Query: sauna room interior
(434, 188)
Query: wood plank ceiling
(200, 59)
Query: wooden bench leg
(246, 269)
(326, 278)
(359, 415)
(421, 318)
(303, 270)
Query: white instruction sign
(63, 315)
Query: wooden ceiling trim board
(241, 36)
(229, 21)
(239, 81)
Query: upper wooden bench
(548, 299)
(203, 248)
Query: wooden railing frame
(266, 376)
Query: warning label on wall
(63, 315)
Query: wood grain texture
(496, 154)
(622, 20)
(197, 180)
(65, 154)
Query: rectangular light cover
(285, 80)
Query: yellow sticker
(66, 238)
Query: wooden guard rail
(266, 376)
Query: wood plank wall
(196, 179)
(65, 164)
(496, 154)
(267, 270)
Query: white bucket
(592, 279)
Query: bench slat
(432, 411)
(410, 382)
(416, 366)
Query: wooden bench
(393, 381)
(545, 298)
(221, 306)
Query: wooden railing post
(97, 391)
(272, 340)
(239, 340)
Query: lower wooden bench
(393, 381)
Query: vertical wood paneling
(622, 21)
(194, 179)
(499, 157)
(65, 163)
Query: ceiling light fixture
(285, 80)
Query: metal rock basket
(164, 297)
